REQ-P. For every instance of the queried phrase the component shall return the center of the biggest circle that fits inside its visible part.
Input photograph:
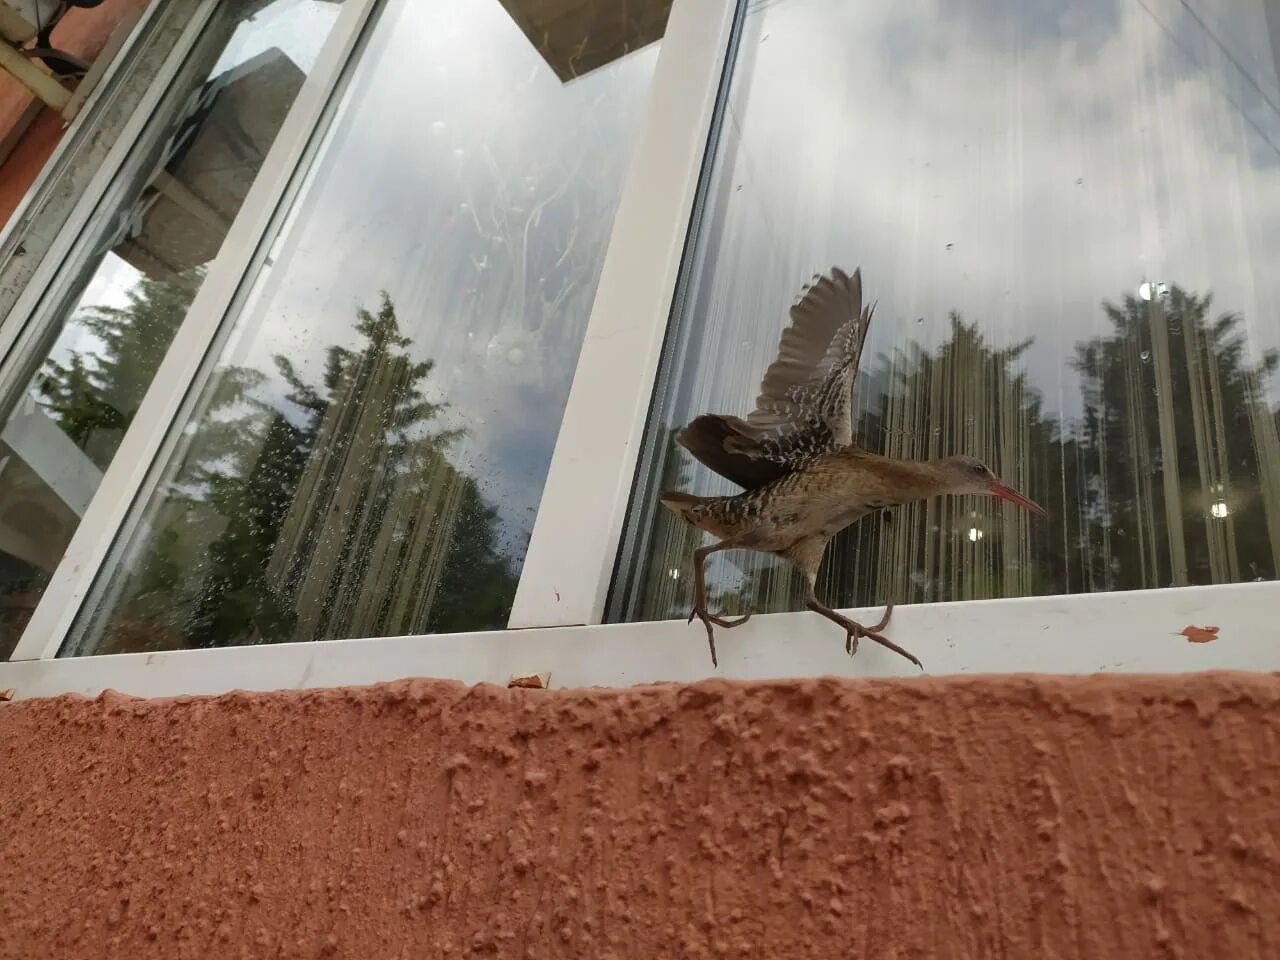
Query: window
(366, 454)
(1070, 216)
(500, 251)
(99, 334)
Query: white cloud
(464, 179)
(1018, 162)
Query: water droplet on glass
(1145, 355)
(1079, 180)
(437, 127)
(459, 152)
(950, 245)
(919, 319)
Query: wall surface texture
(963, 817)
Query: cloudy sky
(461, 177)
(1017, 161)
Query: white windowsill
(1131, 632)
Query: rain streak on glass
(1069, 212)
(369, 452)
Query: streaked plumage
(803, 478)
(805, 406)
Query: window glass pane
(107, 320)
(1069, 213)
(368, 453)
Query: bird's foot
(711, 635)
(884, 621)
(854, 631)
(727, 622)
(884, 642)
(708, 619)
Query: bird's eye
(979, 468)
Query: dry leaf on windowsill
(1199, 634)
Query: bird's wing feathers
(716, 440)
(805, 406)
(809, 348)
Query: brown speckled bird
(804, 480)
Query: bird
(803, 477)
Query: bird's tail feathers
(680, 503)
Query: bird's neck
(890, 482)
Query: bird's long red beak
(1013, 496)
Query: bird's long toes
(851, 642)
(707, 620)
(886, 642)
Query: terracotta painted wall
(953, 818)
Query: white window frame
(556, 623)
(19, 227)
(53, 253)
(110, 507)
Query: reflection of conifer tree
(269, 448)
(238, 595)
(94, 396)
(1102, 480)
(1172, 407)
(334, 513)
(476, 586)
(965, 397)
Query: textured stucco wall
(985, 817)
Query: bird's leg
(700, 598)
(884, 621)
(854, 630)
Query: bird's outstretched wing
(805, 406)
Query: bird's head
(971, 475)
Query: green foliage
(211, 571)
(94, 396)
